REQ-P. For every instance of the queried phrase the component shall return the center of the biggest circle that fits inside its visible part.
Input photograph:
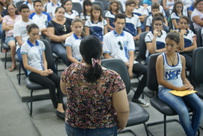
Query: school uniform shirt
(74, 42)
(96, 29)
(176, 17)
(111, 18)
(197, 13)
(132, 24)
(149, 21)
(188, 3)
(41, 19)
(51, 8)
(118, 46)
(84, 17)
(20, 29)
(169, 3)
(34, 54)
(31, 6)
(160, 41)
(73, 15)
(139, 11)
(188, 38)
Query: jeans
(71, 131)
(140, 69)
(21, 60)
(60, 50)
(179, 105)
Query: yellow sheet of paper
(182, 93)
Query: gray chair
(78, 7)
(104, 3)
(199, 38)
(142, 46)
(101, 5)
(18, 4)
(138, 115)
(197, 70)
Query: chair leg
(31, 99)
(146, 129)
(5, 60)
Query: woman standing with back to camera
(97, 103)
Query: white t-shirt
(196, 13)
(41, 20)
(176, 17)
(169, 3)
(34, 54)
(139, 11)
(188, 38)
(83, 17)
(51, 8)
(185, 11)
(74, 42)
(118, 46)
(96, 29)
(188, 3)
(73, 15)
(160, 40)
(132, 24)
(20, 29)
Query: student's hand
(43, 73)
(50, 71)
(127, 64)
(190, 87)
(156, 32)
(184, 87)
(130, 73)
(183, 31)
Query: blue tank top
(172, 74)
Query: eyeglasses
(64, 28)
(121, 47)
(178, 6)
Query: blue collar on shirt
(31, 45)
(53, 4)
(122, 34)
(76, 37)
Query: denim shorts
(71, 131)
(9, 38)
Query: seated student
(110, 14)
(34, 61)
(167, 4)
(189, 41)
(19, 30)
(96, 25)
(177, 12)
(120, 44)
(30, 5)
(148, 10)
(155, 10)
(170, 70)
(133, 23)
(87, 6)
(70, 14)
(140, 12)
(72, 42)
(155, 39)
(7, 25)
(40, 18)
(184, 8)
(51, 7)
(58, 30)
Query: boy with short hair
(20, 30)
(39, 17)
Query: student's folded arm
(191, 48)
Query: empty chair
(199, 38)
(138, 115)
(78, 7)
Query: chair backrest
(197, 65)
(101, 5)
(152, 83)
(142, 46)
(104, 3)
(18, 4)
(49, 56)
(119, 66)
(121, 7)
(78, 7)
(199, 38)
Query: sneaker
(141, 101)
